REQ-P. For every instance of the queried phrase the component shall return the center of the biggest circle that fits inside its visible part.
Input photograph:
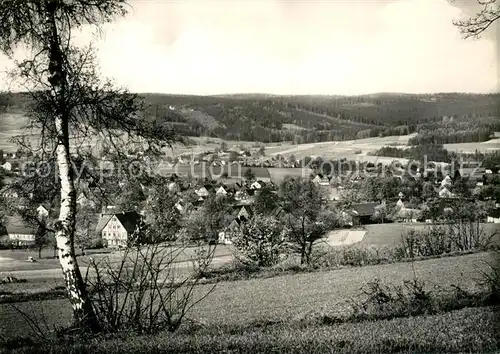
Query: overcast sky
(307, 47)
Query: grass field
(467, 330)
(387, 235)
(484, 147)
(284, 298)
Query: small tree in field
(233, 156)
(163, 216)
(249, 175)
(206, 223)
(261, 241)
(266, 201)
(85, 234)
(304, 215)
(381, 213)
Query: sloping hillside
(269, 118)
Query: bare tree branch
(476, 25)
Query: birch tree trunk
(84, 314)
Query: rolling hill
(269, 118)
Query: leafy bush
(96, 243)
(438, 239)
(260, 241)
(351, 256)
(490, 279)
(412, 298)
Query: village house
(257, 185)
(241, 194)
(220, 191)
(7, 166)
(404, 214)
(225, 237)
(202, 192)
(116, 228)
(241, 214)
(42, 211)
(446, 182)
(17, 233)
(494, 216)
(362, 213)
(445, 193)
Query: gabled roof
(364, 209)
(103, 221)
(45, 207)
(129, 220)
(495, 213)
(202, 191)
(220, 188)
(16, 225)
(247, 209)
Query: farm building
(17, 233)
(116, 228)
(494, 216)
(362, 213)
(408, 214)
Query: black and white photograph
(249, 176)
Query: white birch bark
(65, 226)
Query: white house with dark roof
(7, 166)
(221, 191)
(202, 192)
(445, 193)
(42, 211)
(116, 228)
(494, 216)
(316, 179)
(256, 185)
(446, 182)
(18, 233)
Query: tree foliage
(261, 241)
(70, 106)
(303, 215)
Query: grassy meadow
(283, 314)
(466, 330)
